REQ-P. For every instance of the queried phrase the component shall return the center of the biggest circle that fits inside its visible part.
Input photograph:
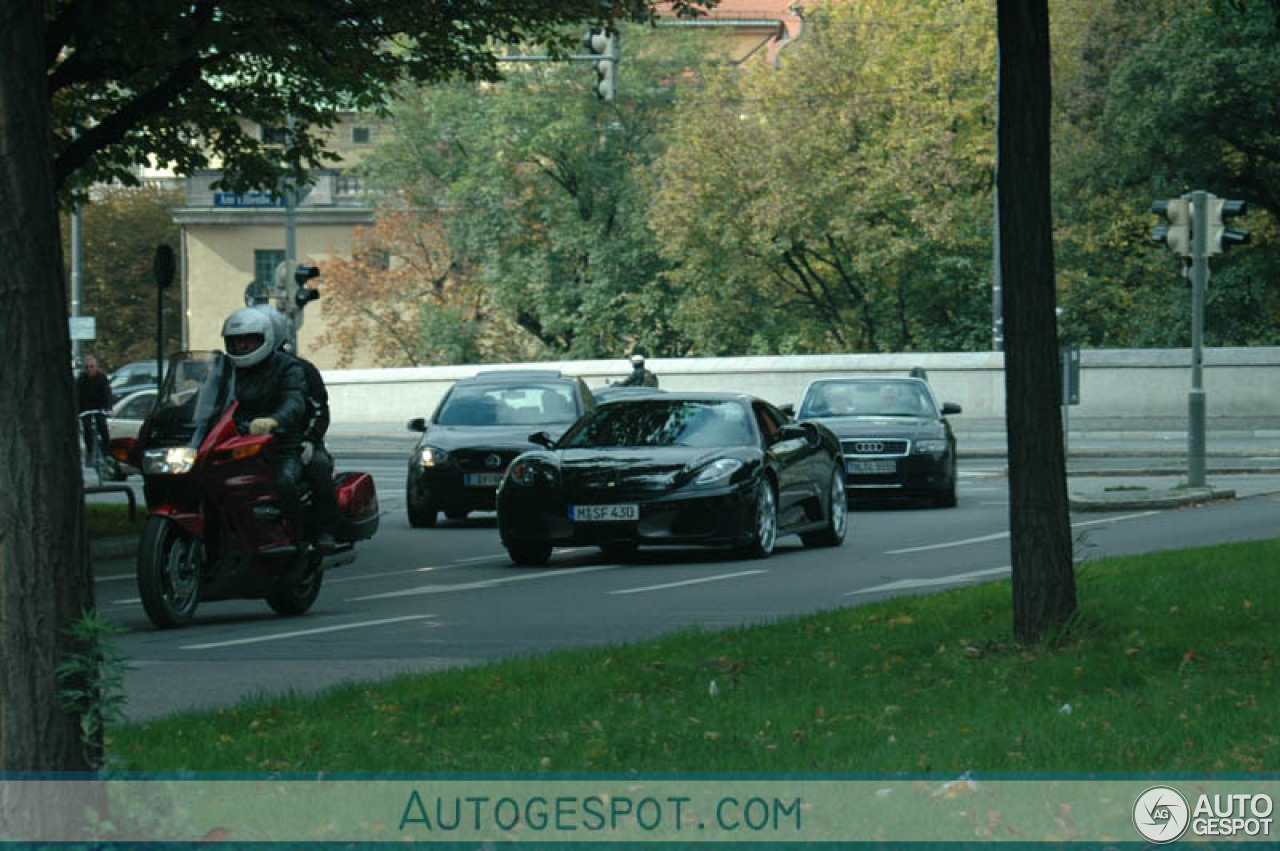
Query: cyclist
(93, 398)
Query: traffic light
(1219, 237)
(303, 294)
(1176, 234)
(603, 42)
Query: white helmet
(249, 337)
(279, 323)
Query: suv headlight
(718, 471)
(172, 461)
(430, 456)
(929, 445)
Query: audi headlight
(430, 456)
(528, 472)
(929, 445)
(718, 471)
(172, 461)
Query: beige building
(230, 242)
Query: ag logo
(1161, 814)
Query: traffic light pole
(1196, 397)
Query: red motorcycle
(215, 529)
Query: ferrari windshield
(867, 397)
(662, 422)
(197, 388)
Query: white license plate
(855, 467)
(482, 480)
(604, 513)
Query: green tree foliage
(842, 202)
(121, 228)
(1166, 99)
(546, 191)
(139, 80)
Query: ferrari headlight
(930, 445)
(527, 472)
(430, 456)
(172, 461)
(718, 471)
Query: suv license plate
(854, 467)
(604, 513)
(482, 480)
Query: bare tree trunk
(1044, 591)
(45, 583)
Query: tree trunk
(1044, 591)
(45, 583)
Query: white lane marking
(129, 602)
(280, 636)
(115, 577)
(998, 535)
(684, 582)
(483, 583)
(903, 584)
(381, 574)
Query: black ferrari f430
(713, 469)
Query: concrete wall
(1239, 382)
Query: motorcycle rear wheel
(295, 595)
(169, 565)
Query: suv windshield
(509, 405)
(197, 388)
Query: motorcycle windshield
(197, 388)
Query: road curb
(1130, 502)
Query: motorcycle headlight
(430, 456)
(172, 461)
(930, 445)
(718, 471)
(527, 472)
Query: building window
(265, 261)
(274, 135)
(360, 135)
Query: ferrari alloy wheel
(169, 565)
(764, 531)
(837, 516)
(529, 555)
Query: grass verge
(1171, 667)
(110, 521)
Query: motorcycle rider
(317, 463)
(270, 389)
(639, 377)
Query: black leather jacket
(317, 422)
(275, 388)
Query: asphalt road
(423, 599)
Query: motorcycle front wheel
(169, 565)
(295, 595)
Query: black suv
(895, 435)
(479, 426)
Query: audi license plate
(604, 513)
(482, 480)
(861, 467)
